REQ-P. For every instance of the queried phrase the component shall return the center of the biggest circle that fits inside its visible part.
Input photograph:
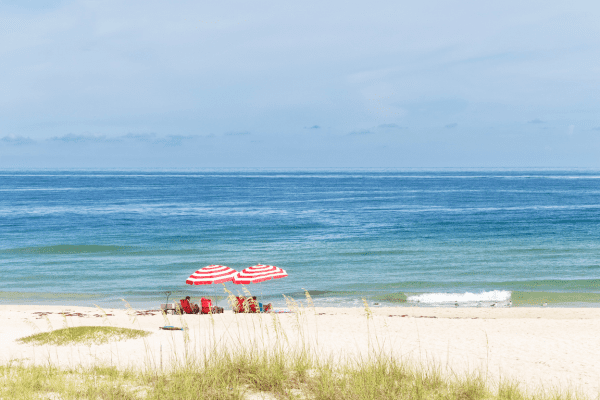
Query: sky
(309, 84)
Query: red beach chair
(253, 305)
(206, 305)
(185, 305)
(239, 307)
(245, 305)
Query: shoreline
(549, 312)
(278, 301)
(537, 347)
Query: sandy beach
(537, 347)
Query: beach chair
(206, 306)
(239, 307)
(248, 305)
(168, 307)
(185, 306)
(253, 305)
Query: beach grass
(84, 335)
(280, 371)
(240, 376)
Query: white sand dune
(538, 347)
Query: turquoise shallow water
(428, 238)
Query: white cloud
(390, 126)
(361, 132)
(141, 137)
(17, 140)
(73, 138)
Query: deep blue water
(394, 237)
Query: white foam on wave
(468, 297)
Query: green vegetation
(235, 376)
(280, 371)
(84, 335)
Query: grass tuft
(233, 375)
(84, 335)
(509, 391)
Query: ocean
(466, 238)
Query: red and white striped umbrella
(211, 274)
(258, 273)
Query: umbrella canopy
(258, 273)
(211, 274)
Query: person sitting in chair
(262, 308)
(207, 307)
(194, 306)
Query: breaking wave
(494, 296)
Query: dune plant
(284, 369)
(84, 335)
